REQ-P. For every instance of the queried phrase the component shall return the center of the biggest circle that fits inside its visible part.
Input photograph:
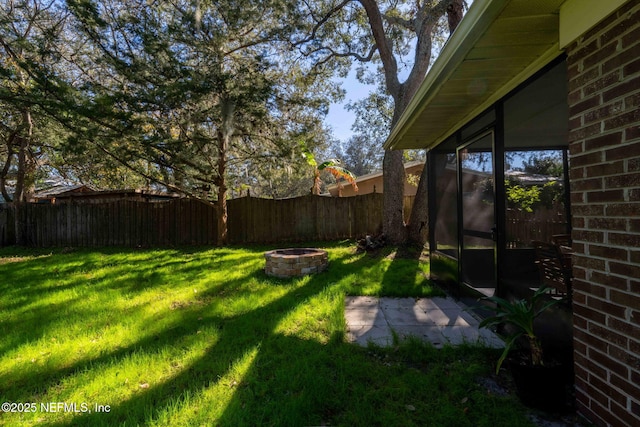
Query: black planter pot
(541, 387)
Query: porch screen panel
(446, 209)
(535, 142)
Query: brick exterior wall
(604, 109)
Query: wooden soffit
(497, 46)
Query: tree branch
(320, 22)
(427, 19)
(334, 54)
(389, 62)
(404, 23)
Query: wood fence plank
(41, 217)
(73, 225)
(47, 227)
(87, 214)
(161, 226)
(153, 225)
(193, 221)
(93, 230)
(184, 222)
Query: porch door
(477, 220)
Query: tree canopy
(398, 36)
(186, 95)
(204, 97)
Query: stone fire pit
(294, 262)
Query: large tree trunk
(454, 14)
(418, 227)
(394, 174)
(393, 197)
(392, 166)
(24, 175)
(5, 170)
(393, 180)
(221, 205)
(224, 136)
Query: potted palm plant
(539, 382)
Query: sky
(341, 119)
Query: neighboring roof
(530, 179)
(377, 174)
(498, 45)
(118, 193)
(525, 178)
(60, 189)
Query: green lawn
(203, 337)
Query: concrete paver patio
(439, 321)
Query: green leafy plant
(332, 166)
(519, 314)
(521, 197)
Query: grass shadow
(215, 364)
(235, 354)
(408, 274)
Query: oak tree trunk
(393, 197)
(418, 227)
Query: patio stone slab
(437, 303)
(440, 321)
(397, 303)
(365, 334)
(359, 302)
(365, 316)
(406, 316)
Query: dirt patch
(12, 259)
(409, 252)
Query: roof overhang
(498, 45)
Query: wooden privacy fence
(250, 220)
(191, 221)
(120, 223)
(254, 220)
(7, 226)
(523, 227)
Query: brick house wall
(604, 109)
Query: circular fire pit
(294, 262)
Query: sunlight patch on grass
(204, 337)
(116, 374)
(315, 318)
(210, 402)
